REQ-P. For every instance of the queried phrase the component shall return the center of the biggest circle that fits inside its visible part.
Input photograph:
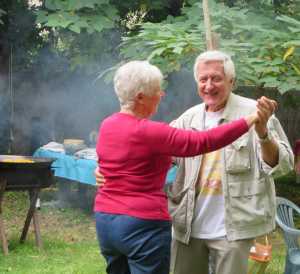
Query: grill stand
(31, 214)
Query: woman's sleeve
(167, 140)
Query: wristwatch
(264, 139)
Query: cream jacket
(247, 181)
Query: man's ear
(232, 82)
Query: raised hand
(265, 108)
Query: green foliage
(77, 15)
(265, 47)
(87, 32)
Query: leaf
(289, 20)
(284, 87)
(296, 69)
(56, 5)
(155, 52)
(292, 43)
(60, 20)
(50, 4)
(270, 81)
(75, 28)
(111, 12)
(42, 16)
(79, 4)
(178, 50)
(294, 30)
(289, 52)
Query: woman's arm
(167, 140)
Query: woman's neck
(134, 113)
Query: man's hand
(99, 178)
(269, 147)
(265, 108)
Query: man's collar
(197, 121)
(229, 112)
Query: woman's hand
(265, 108)
(99, 178)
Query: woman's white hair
(136, 77)
(215, 55)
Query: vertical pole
(11, 97)
(208, 33)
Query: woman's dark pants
(132, 245)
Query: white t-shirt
(209, 216)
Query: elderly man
(222, 200)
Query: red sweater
(135, 155)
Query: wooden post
(207, 25)
(3, 183)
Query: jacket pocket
(237, 156)
(178, 209)
(248, 202)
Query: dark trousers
(132, 245)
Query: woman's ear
(140, 97)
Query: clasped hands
(265, 108)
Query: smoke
(52, 106)
(52, 102)
(181, 93)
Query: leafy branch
(89, 15)
(266, 51)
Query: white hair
(136, 77)
(215, 55)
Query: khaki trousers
(220, 255)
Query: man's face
(213, 87)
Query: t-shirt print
(210, 175)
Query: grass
(69, 240)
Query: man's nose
(208, 84)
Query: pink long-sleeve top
(135, 155)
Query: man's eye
(216, 79)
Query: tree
(89, 31)
(265, 45)
(19, 43)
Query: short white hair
(215, 55)
(136, 77)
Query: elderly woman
(132, 219)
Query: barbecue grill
(24, 173)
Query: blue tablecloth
(80, 170)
